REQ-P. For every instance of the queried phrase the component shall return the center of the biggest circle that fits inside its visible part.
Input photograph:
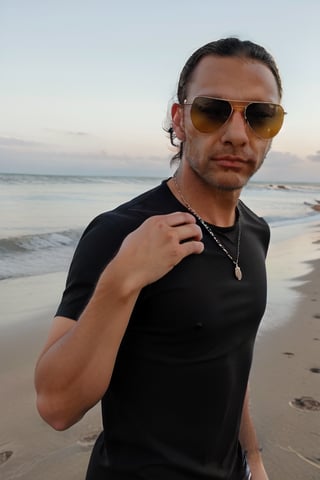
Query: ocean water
(42, 217)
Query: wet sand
(38, 452)
(286, 367)
(285, 387)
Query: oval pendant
(237, 272)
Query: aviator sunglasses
(208, 114)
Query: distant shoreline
(281, 185)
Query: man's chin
(231, 185)
(230, 188)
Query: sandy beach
(38, 451)
(285, 381)
(285, 371)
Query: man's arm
(75, 367)
(249, 442)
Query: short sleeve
(99, 243)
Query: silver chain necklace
(237, 269)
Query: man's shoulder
(155, 201)
(250, 216)
(129, 215)
(254, 227)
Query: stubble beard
(212, 180)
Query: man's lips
(230, 161)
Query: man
(168, 291)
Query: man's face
(227, 158)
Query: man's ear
(178, 121)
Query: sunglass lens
(265, 119)
(209, 114)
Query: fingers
(191, 247)
(188, 232)
(178, 227)
(159, 244)
(185, 226)
(179, 218)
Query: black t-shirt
(173, 407)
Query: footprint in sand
(4, 456)
(88, 440)
(305, 403)
(315, 370)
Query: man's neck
(215, 206)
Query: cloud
(279, 159)
(86, 163)
(19, 156)
(12, 142)
(287, 167)
(68, 132)
(315, 157)
(78, 134)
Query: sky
(85, 85)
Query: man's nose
(236, 130)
